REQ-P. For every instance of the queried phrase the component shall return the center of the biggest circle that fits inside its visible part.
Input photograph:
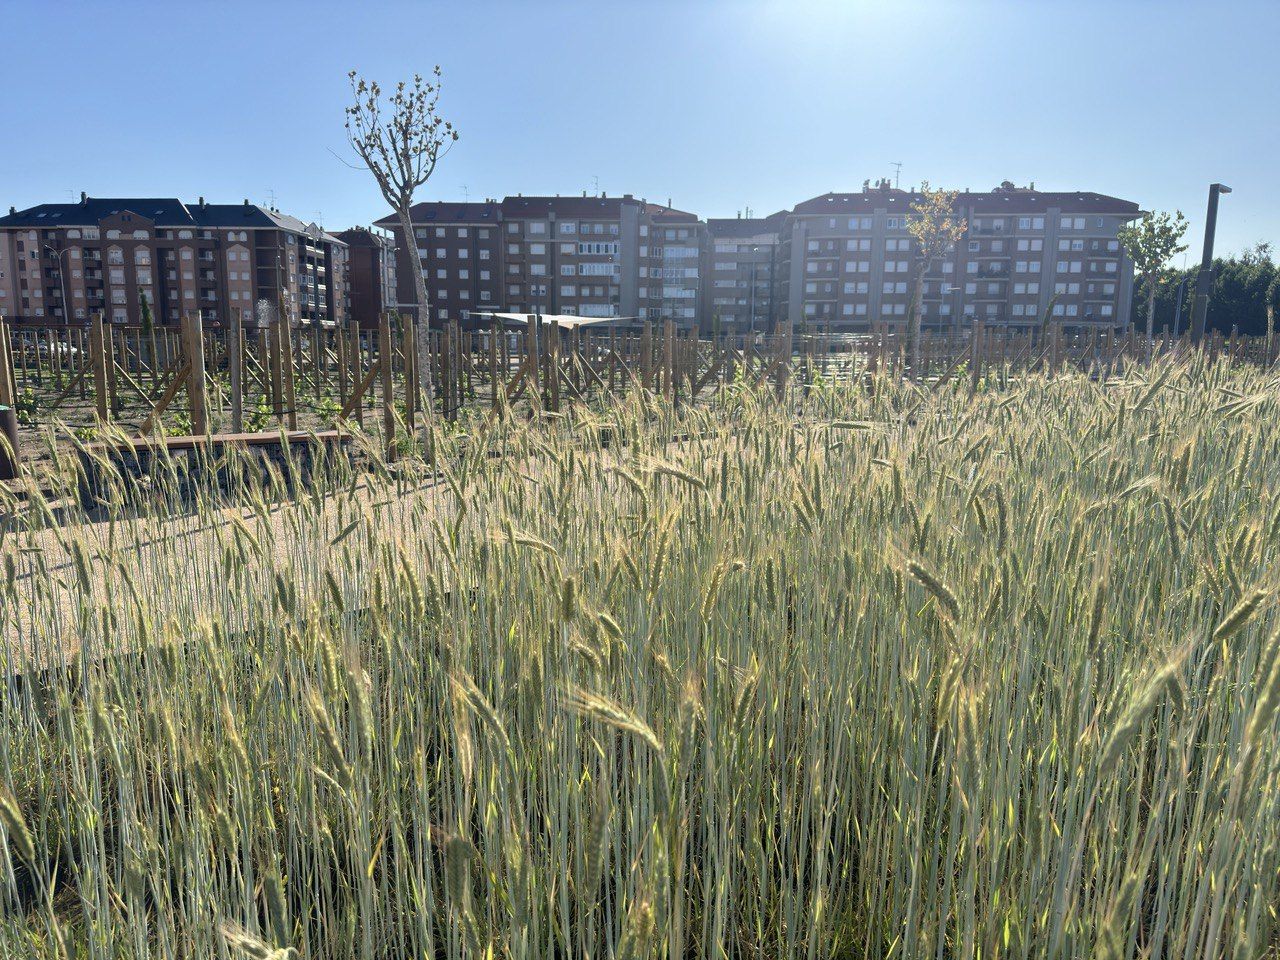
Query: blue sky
(717, 105)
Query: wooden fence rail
(242, 376)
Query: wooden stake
(386, 347)
(235, 360)
(99, 360)
(194, 330)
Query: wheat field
(879, 670)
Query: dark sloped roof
(443, 211)
(663, 214)
(1012, 201)
(163, 211)
(608, 208)
(746, 226)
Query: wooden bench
(193, 462)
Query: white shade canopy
(563, 319)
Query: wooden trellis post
(98, 349)
(235, 363)
(386, 349)
(193, 335)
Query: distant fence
(239, 377)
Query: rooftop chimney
(246, 201)
(84, 197)
(12, 211)
(584, 193)
(627, 196)
(202, 203)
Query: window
(537, 249)
(442, 274)
(971, 288)
(974, 246)
(537, 228)
(997, 246)
(463, 253)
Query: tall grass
(881, 671)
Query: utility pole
(1204, 281)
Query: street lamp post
(62, 278)
(1205, 278)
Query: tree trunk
(913, 323)
(421, 325)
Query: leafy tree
(935, 229)
(144, 306)
(400, 139)
(1239, 299)
(1150, 244)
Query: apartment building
(371, 274)
(677, 265)
(68, 261)
(746, 273)
(590, 256)
(573, 255)
(1026, 254)
(459, 247)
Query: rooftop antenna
(271, 201)
(897, 172)
(466, 194)
(596, 180)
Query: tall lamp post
(62, 279)
(1204, 281)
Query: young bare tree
(1150, 244)
(400, 139)
(935, 229)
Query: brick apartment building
(746, 273)
(68, 261)
(841, 258)
(585, 256)
(851, 261)
(371, 278)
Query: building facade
(841, 259)
(583, 256)
(69, 261)
(370, 275)
(746, 272)
(1026, 255)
